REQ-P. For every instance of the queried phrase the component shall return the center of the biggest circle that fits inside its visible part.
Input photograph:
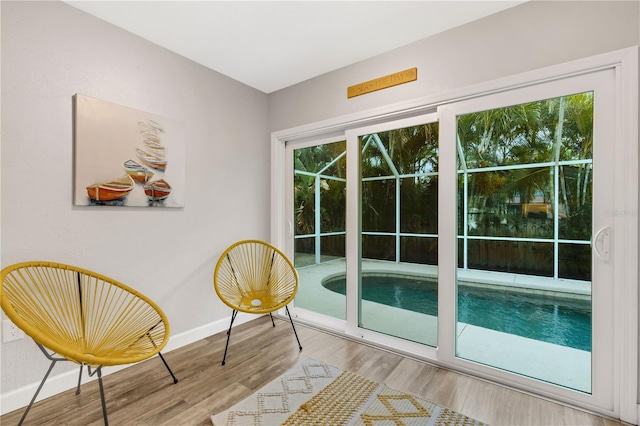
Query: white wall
(51, 51)
(526, 37)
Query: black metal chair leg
(104, 404)
(294, 327)
(233, 317)
(272, 322)
(167, 365)
(37, 392)
(79, 380)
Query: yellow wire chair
(83, 317)
(253, 276)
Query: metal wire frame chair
(255, 277)
(83, 317)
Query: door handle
(602, 243)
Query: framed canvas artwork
(126, 157)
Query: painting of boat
(151, 137)
(112, 189)
(153, 161)
(155, 149)
(137, 171)
(150, 126)
(157, 190)
(119, 150)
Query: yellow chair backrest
(255, 277)
(81, 315)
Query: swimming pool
(560, 321)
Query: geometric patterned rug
(315, 393)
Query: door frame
(625, 211)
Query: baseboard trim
(55, 384)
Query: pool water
(560, 321)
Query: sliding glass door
(528, 249)
(397, 183)
(318, 217)
(525, 197)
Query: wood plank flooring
(144, 394)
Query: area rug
(315, 393)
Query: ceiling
(270, 45)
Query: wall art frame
(126, 157)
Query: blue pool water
(565, 322)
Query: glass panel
(374, 160)
(379, 247)
(320, 208)
(421, 250)
(419, 205)
(510, 203)
(304, 202)
(333, 193)
(379, 206)
(574, 261)
(575, 198)
(399, 244)
(525, 189)
(333, 247)
(304, 252)
(519, 257)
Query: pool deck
(545, 361)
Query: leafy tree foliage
(510, 161)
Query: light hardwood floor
(144, 394)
